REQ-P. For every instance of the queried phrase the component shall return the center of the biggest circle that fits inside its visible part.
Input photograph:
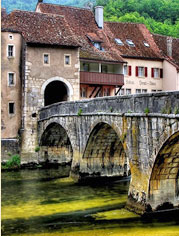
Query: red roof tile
(40, 28)
(161, 41)
(82, 22)
(138, 33)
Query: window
(146, 44)
(10, 51)
(46, 59)
(104, 68)
(67, 60)
(141, 71)
(10, 36)
(130, 42)
(11, 108)
(86, 67)
(138, 90)
(11, 79)
(156, 73)
(121, 92)
(106, 92)
(98, 46)
(83, 92)
(127, 70)
(119, 42)
(144, 90)
(128, 91)
(153, 90)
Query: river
(43, 202)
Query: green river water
(44, 203)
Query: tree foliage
(160, 16)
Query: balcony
(96, 78)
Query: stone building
(40, 66)
(60, 53)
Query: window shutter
(145, 71)
(161, 73)
(152, 72)
(136, 71)
(130, 71)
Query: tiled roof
(82, 23)
(138, 33)
(161, 41)
(40, 28)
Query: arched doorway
(55, 144)
(56, 91)
(164, 182)
(104, 154)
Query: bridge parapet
(162, 102)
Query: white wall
(171, 80)
(132, 82)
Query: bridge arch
(164, 180)
(104, 154)
(55, 144)
(56, 89)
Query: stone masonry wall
(37, 77)
(9, 147)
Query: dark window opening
(67, 60)
(46, 59)
(104, 68)
(85, 67)
(56, 91)
(11, 79)
(11, 108)
(34, 114)
(10, 50)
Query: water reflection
(36, 203)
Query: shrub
(13, 162)
(146, 111)
(80, 112)
(37, 149)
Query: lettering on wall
(129, 82)
(147, 83)
(141, 82)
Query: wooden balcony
(95, 78)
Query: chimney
(40, 0)
(169, 46)
(99, 16)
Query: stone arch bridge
(118, 136)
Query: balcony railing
(101, 78)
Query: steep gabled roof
(161, 41)
(83, 24)
(40, 28)
(139, 35)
